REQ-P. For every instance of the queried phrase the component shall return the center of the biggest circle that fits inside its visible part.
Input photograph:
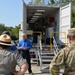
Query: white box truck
(46, 19)
(40, 18)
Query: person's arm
(29, 46)
(57, 62)
(23, 69)
(19, 45)
(13, 47)
(22, 63)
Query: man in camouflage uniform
(66, 57)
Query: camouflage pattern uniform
(66, 58)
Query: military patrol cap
(71, 32)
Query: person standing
(24, 46)
(66, 57)
(9, 59)
(13, 47)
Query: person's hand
(21, 47)
(26, 48)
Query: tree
(37, 1)
(73, 18)
(2, 28)
(13, 31)
(60, 1)
(52, 1)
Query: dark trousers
(26, 55)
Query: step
(45, 52)
(46, 64)
(50, 57)
(47, 57)
(46, 60)
(51, 54)
(39, 74)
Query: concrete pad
(36, 70)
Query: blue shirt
(25, 43)
(13, 48)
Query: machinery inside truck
(43, 19)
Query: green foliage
(73, 18)
(52, 1)
(16, 31)
(37, 2)
(2, 28)
(43, 2)
(13, 31)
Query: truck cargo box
(40, 18)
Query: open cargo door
(65, 22)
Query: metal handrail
(55, 46)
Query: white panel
(20, 33)
(65, 22)
(64, 11)
(64, 33)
